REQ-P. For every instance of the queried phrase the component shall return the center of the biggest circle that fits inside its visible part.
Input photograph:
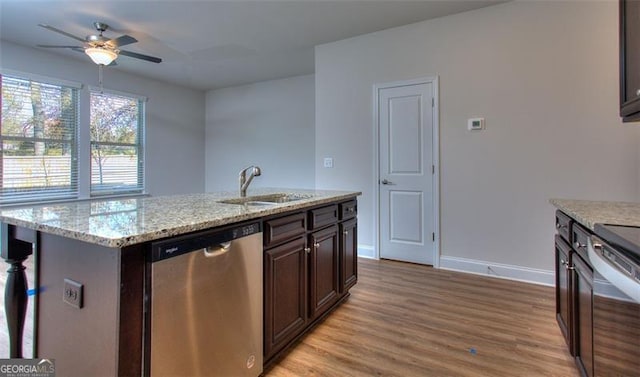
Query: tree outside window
(38, 141)
(116, 126)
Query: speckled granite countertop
(122, 222)
(589, 213)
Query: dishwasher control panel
(184, 244)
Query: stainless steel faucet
(244, 181)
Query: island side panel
(132, 282)
(83, 342)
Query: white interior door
(406, 209)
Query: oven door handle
(609, 270)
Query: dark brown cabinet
(324, 272)
(574, 291)
(285, 293)
(630, 60)
(563, 303)
(310, 264)
(582, 293)
(348, 254)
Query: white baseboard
(366, 251)
(498, 270)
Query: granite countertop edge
(220, 214)
(589, 212)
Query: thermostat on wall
(475, 124)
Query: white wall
(269, 124)
(545, 77)
(174, 115)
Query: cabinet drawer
(284, 228)
(579, 236)
(348, 209)
(320, 217)
(563, 226)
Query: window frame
(140, 145)
(70, 192)
(82, 142)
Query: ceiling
(214, 44)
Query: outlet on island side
(328, 162)
(72, 293)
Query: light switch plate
(328, 162)
(475, 124)
(72, 293)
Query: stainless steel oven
(614, 253)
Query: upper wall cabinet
(630, 60)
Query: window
(38, 141)
(117, 126)
(45, 155)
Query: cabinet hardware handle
(307, 249)
(578, 245)
(346, 232)
(386, 182)
(570, 268)
(560, 226)
(316, 245)
(638, 92)
(351, 209)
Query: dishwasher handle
(214, 251)
(196, 242)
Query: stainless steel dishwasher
(204, 311)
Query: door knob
(385, 182)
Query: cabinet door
(629, 60)
(563, 314)
(348, 255)
(323, 278)
(285, 294)
(583, 318)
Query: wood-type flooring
(410, 320)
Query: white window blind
(38, 142)
(117, 135)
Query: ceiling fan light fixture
(101, 55)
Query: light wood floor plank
(410, 320)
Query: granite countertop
(589, 213)
(128, 221)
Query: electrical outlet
(328, 162)
(72, 293)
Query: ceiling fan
(102, 50)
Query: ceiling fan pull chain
(100, 66)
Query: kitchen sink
(265, 200)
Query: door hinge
(433, 169)
(433, 102)
(433, 237)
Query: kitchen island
(105, 245)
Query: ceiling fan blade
(140, 56)
(49, 27)
(122, 41)
(57, 46)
